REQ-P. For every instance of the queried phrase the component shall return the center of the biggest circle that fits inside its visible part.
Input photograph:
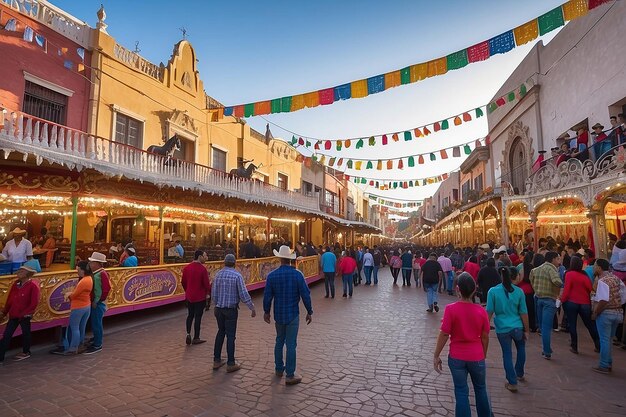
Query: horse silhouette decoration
(167, 149)
(245, 172)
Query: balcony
(74, 149)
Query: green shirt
(546, 281)
(508, 310)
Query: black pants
(572, 311)
(194, 315)
(532, 312)
(226, 327)
(394, 274)
(329, 283)
(24, 323)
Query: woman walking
(508, 303)
(467, 326)
(529, 294)
(576, 299)
(395, 263)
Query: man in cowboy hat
(501, 257)
(286, 286)
(101, 288)
(20, 307)
(18, 249)
(600, 145)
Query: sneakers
(198, 341)
(233, 368)
(546, 356)
(345, 295)
(279, 373)
(58, 351)
(21, 356)
(188, 340)
(92, 349)
(218, 364)
(601, 370)
(430, 309)
(436, 307)
(510, 387)
(521, 379)
(293, 380)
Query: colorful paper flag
(28, 34)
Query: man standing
(18, 249)
(407, 266)
(610, 296)
(20, 307)
(329, 263)
(431, 277)
(368, 265)
(446, 267)
(347, 268)
(99, 294)
(547, 284)
(378, 258)
(197, 288)
(286, 286)
(228, 290)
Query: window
(128, 130)
(465, 189)
(44, 103)
(445, 202)
(283, 181)
(478, 183)
(187, 151)
(219, 159)
(331, 202)
(307, 188)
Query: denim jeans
(607, 323)
(286, 334)
(406, 276)
(226, 327)
(368, 274)
(506, 340)
(478, 372)
(12, 325)
(431, 293)
(450, 281)
(573, 310)
(97, 315)
(329, 283)
(375, 270)
(347, 284)
(546, 310)
(75, 332)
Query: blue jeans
(607, 323)
(75, 333)
(347, 284)
(516, 336)
(546, 309)
(368, 274)
(431, 293)
(406, 276)
(96, 323)
(286, 334)
(376, 274)
(329, 283)
(450, 281)
(478, 372)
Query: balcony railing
(75, 149)
(55, 18)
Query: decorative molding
(47, 84)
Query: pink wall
(19, 55)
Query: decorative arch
(183, 69)
(518, 140)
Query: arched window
(518, 166)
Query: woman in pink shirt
(576, 299)
(467, 326)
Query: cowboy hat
(581, 251)
(500, 249)
(31, 266)
(485, 246)
(18, 231)
(597, 125)
(98, 257)
(131, 249)
(285, 252)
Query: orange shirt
(81, 296)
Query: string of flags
(70, 61)
(395, 184)
(482, 51)
(414, 133)
(395, 204)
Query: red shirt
(465, 323)
(196, 282)
(472, 269)
(577, 288)
(22, 301)
(347, 265)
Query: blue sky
(257, 50)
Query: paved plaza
(366, 356)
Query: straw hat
(18, 231)
(485, 246)
(98, 257)
(285, 252)
(597, 125)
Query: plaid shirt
(546, 281)
(229, 289)
(286, 285)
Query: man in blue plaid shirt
(227, 291)
(286, 286)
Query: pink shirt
(465, 323)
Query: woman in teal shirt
(131, 260)
(508, 303)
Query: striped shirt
(228, 289)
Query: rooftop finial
(184, 32)
(102, 15)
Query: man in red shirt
(20, 307)
(347, 267)
(197, 287)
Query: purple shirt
(446, 263)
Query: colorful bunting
(550, 21)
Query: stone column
(533, 222)
(598, 231)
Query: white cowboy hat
(285, 252)
(581, 252)
(500, 249)
(18, 231)
(98, 257)
(485, 246)
(131, 250)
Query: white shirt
(602, 292)
(18, 253)
(368, 259)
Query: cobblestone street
(366, 356)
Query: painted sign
(149, 285)
(58, 300)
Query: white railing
(75, 149)
(55, 18)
